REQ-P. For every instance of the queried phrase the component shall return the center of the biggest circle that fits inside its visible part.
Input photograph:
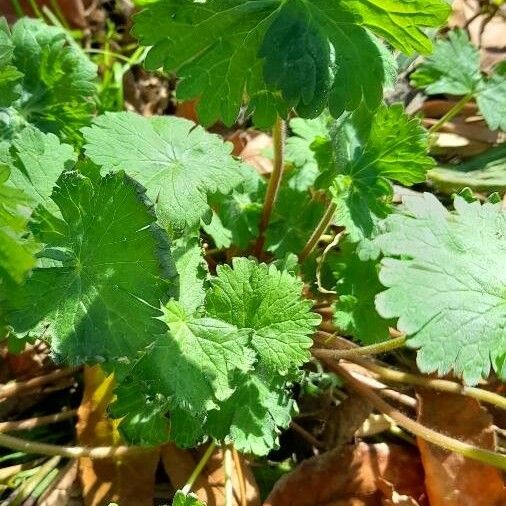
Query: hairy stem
(278, 139)
(373, 349)
(454, 111)
(198, 469)
(318, 231)
(435, 384)
(71, 452)
(419, 430)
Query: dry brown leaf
(250, 146)
(72, 10)
(129, 481)
(453, 480)
(349, 477)
(343, 421)
(210, 485)
(392, 497)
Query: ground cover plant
(210, 305)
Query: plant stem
(435, 384)
(37, 421)
(240, 477)
(454, 111)
(318, 232)
(198, 469)
(278, 139)
(373, 349)
(15, 388)
(71, 452)
(17, 8)
(228, 468)
(451, 444)
(307, 436)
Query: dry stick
(384, 390)
(37, 421)
(16, 388)
(373, 349)
(71, 452)
(451, 444)
(240, 476)
(318, 231)
(307, 436)
(228, 468)
(278, 139)
(412, 379)
(435, 384)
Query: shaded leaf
(298, 53)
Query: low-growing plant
(102, 250)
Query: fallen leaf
(72, 10)
(210, 485)
(349, 477)
(129, 481)
(392, 497)
(451, 479)
(251, 146)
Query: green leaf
(294, 217)
(240, 210)
(252, 417)
(102, 274)
(182, 499)
(370, 153)
(178, 162)
(268, 301)
(491, 98)
(16, 249)
(56, 92)
(454, 68)
(298, 150)
(192, 269)
(37, 161)
(446, 279)
(296, 53)
(193, 365)
(357, 284)
(142, 417)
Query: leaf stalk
(318, 231)
(278, 139)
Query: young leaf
(193, 365)
(268, 301)
(296, 53)
(102, 274)
(454, 68)
(369, 153)
(446, 278)
(57, 86)
(178, 162)
(357, 284)
(182, 499)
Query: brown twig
(240, 477)
(20, 387)
(37, 421)
(307, 436)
